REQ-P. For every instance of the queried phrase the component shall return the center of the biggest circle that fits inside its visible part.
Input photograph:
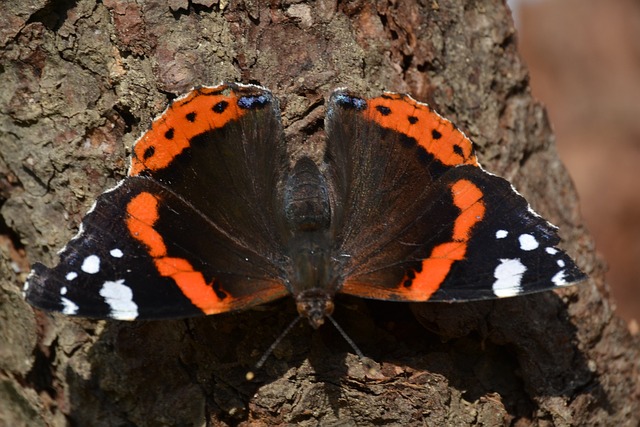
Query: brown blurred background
(584, 58)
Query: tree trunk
(81, 80)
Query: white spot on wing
(528, 242)
(70, 307)
(120, 298)
(558, 279)
(501, 234)
(508, 276)
(91, 264)
(551, 251)
(560, 263)
(71, 275)
(116, 253)
(63, 290)
(25, 288)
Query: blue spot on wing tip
(345, 100)
(253, 102)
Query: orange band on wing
(142, 214)
(434, 133)
(468, 198)
(201, 110)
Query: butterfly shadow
(177, 372)
(520, 351)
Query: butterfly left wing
(190, 231)
(420, 219)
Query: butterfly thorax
(308, 219)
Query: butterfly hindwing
(227, 152)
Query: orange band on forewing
(142, 214)
(168, 266)
(191, 283)
(453, 251)
(424, 285)
(392, 111)
(468, 198)
(186, 118)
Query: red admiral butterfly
(215, 215)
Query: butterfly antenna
(250, 375)
(371, 369)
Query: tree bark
(81, 80)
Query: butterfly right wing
(419, 219)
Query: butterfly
(219, 213)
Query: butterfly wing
(190, 231)
(420, 220)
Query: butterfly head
(315, 305)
